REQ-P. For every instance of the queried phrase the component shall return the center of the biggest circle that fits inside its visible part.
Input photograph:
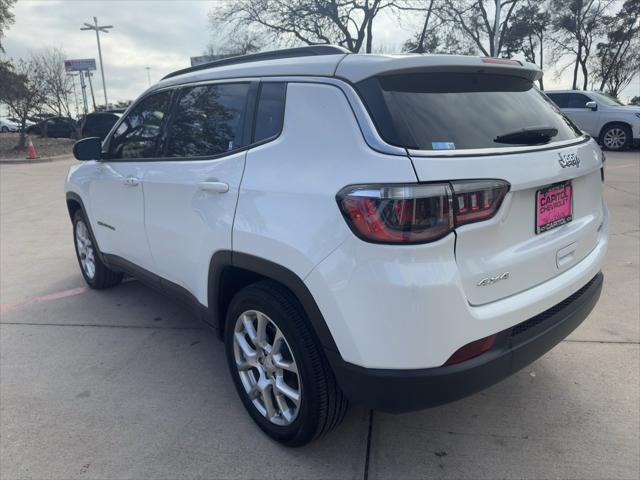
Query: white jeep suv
(615, 126)
(394, 231)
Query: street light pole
(496, 29)
(148, 75)
(104, 29)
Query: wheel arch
(74, 203)
(229, 272)
(611, 124)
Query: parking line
(616, 167)
(5, 307)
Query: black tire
(5, 130)
(618, 130)
(322, 403)
(103, 276)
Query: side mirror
(592, 106)
(88, 149)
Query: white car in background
(614, 125)
(7, 126)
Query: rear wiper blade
(529, 135)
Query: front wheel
(616, 137)
(95, 272)
(279, 370)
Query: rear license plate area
(554, 206)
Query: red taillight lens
(477, 200)
(471, 350)
(418, 213)
(398, 213)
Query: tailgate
(505, 255)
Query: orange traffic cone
(31, 150)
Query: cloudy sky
(147, 33)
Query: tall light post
(104, 29)
(148, 75)
(496, 29)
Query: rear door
(191, 194)
(456, 127)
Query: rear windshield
(453, 111)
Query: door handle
(214, 186)
(131, 181)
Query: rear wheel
(279, 370)
(616, 137)
(5, 129)
(95, 272)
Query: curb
(21, 161)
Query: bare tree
(23, 91)
(618, 56)
(348, 23)
(58, 85)
(6, 18)
(577, 25)
(475, 20)
(232, 41)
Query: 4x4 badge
(491, 280)
(569, 160)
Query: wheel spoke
(248, 352)
(285, 365)
(247, 322)
(287, 391)
(261, 332)
(267, 400)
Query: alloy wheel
(267, 368)
(86, 252)
(615, 138)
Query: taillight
(398, 213)
(477, 200)
(418, 213)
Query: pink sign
(554, 206)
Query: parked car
(616, 126)
(98, 124)
(56, 127)
(6, 126)
(392, 231)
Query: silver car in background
(614, 125)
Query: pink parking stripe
(5, 307)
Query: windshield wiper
(528, 136)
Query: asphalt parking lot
(126, 384)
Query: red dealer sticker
(554, 206)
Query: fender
(265, 268)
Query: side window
(208, 120)
(139, 134)
(560, 99)
(578, 100)
(270, 111)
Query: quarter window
(270, 111)
(138, 135)
(208, 120)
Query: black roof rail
(272, 55)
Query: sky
(160, 34)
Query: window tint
(270, 111)
(138, 135)
(560, 99)
(208, 120)
(436, 111)
(578, 100)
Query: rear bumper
(397, 391)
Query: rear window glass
(208, 120)
(453, 111)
